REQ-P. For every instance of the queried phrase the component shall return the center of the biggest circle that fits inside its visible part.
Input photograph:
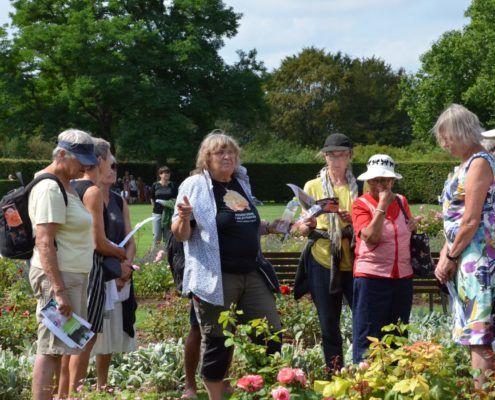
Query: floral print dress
(475, 279)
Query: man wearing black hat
(326, 263)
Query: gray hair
(75, 136)
(459, 125)
(101, 147)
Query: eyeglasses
(165, 172)
(113, 166)
(334, 155)
(381, 181)
(223, 153)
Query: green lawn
(268, 211)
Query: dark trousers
(377, 302)
(329, 308)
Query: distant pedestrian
(163, 195)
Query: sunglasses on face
(113, 166)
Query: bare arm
(181, 227)
(93, 201)
(478, 181)
(45, 243)
(130, 248)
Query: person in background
(218, 222)
(92, 198)
(488, 141)
(162, 194)
(60, 272)
(467, 260)
(133, 190)
(326, 266)
(383, 288)
(126, 189)
(117, 335)
(141, 185)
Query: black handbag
(421, 261)
(111, 268)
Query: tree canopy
(459, 68)
(144, 74)
(315, 93)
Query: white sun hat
(489, 134)
(380, 165)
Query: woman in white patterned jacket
(217, 220)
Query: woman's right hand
(385, 198)
(184, 209)
(303, 227)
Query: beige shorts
(76, 286)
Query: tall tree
(145, 74)
(460, 68)
(315, 93)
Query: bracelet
(380, 210)
(450, 258)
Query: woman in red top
(382, 269)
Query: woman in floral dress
(468, 256)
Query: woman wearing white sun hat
(382, 269)
(488, 141)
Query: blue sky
(397, 31)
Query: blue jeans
(377, 302)
(329, 308)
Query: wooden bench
(285, 264)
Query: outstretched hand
(184, 209)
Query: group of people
(77, 262)
(360, 253)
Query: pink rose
(159, 256)
(300, 376)
(286, 375)
(250, 383)
(281, 393)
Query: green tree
(460, 68)
(144, 74)
(315, 93)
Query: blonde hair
(459, 125)
(215, 140)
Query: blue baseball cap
(84, 152)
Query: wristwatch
(450, 258)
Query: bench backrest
(285, 264)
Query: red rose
(284, 289)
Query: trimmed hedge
(421, 183)
(6, 186)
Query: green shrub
(15, 373)
(18, 307)
(153, 280)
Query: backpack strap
(44, 176)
